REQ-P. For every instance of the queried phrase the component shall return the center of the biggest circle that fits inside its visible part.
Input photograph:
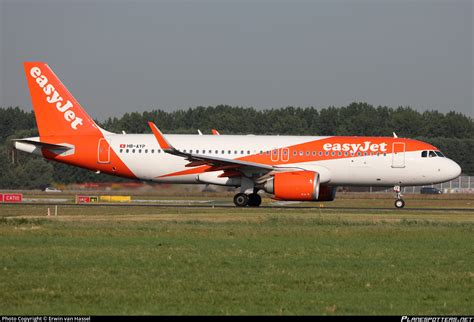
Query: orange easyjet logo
(367, 146)
(53, 97)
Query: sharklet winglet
(164, 144)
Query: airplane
(291, 168)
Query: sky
(125, 56)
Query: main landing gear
(251, 200)
(399, 202)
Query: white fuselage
(381, 169)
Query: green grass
(142, 260)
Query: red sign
(83, 199)
(12, 197)
(1, 197)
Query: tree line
(452, 133)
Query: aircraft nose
(454, 169)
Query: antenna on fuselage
(395, 135)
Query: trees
(453, 132)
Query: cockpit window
(432, 154)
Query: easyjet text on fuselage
(367, 146)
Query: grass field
(146, 260)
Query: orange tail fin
(57, 111)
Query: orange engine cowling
(296, 185)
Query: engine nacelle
(296, 185)
(327, 193)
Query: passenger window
(126, 151)
(301, 153)
(320, 153)
(121, 150)
(133, 151)
(295, 153)
(146, 150)
(314, 153)
(152, 150)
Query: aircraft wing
(199, 159)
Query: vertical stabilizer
(57, 111)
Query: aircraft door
(103, 151)
(275, 155)
(398, 155)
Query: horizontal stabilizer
(46, 145)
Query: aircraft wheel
(241, 200)
(254, 200)
(399, 203)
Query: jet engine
(296, 185)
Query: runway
(224, 206)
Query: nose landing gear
(399, 202)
